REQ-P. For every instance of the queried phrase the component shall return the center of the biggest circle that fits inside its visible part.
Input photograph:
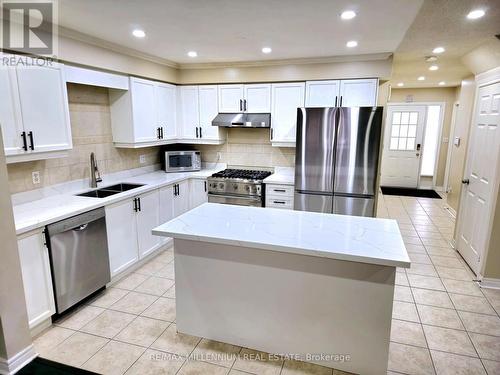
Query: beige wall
(465, 94)
(250, 148)
(492, 265)
(446, 95)
(484, 57)
(91, 132)
(14, 331)
(289, 72)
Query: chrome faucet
(95, 176)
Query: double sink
(109, 190)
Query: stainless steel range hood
(243, 120)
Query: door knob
(465, 181)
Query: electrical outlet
(142, 159)
(35, 176)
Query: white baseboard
(489, 283)
(451, 211)
(17, 362)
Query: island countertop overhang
(349, 238)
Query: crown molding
(85, 38)
(296, 61)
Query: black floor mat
(42, 366)
(407, 192)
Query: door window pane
(405, 117)
(410, 144)
(403, 131)
(413, 118)
(394, 143)
(395, 131)
(396, 118)
(402, 144)
(412, 131)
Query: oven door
(238, 200)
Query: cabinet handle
(201, 134)
(241, 105)
(25, 143)
(245, 105)
(280, 190)
(162, 132)
(32, 143)
(197, 132)
(340, 100)
(157, 133)
(135, 204)
(205, 185)
(272, 133)
(139, 202)
(279, 202)
(335, 101)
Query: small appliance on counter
(241, 187)
(182, 161)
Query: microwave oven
(182, 161)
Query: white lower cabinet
(37, 280)
(129, 225)
(279, 196)
(181, 198)
(148, 217)
(198, 192)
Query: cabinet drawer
(283, 202)
(279, 190)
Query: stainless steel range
(237, 186)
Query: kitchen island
(315, 287)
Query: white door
(166, 109)
(181, 201)
(121, 226)
(144, 110)
(189, 112)
(322, 93)
(257, 98)
(197, 192)
(44, 106)
(148, 217)
(402, 152)
(358, 92)
(478, 196)
(37, 279)
(286, 98)
(10, 112)
(231, 98)
(208, 106)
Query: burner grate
(243, 174)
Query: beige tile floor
(443, 323)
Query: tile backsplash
(248, 148)
(91, 132)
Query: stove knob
(247, 188)
(221, 185)
(235, 187)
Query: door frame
(487, 78)
(450, 146)
(441, 123)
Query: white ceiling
(236, 30)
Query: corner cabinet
(198, 106)
(144, 115)
(37, 279)
(34, 112)
(286, 98)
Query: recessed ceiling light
(433, 67)
(442, 83)
(475, 14)
(351, 44)
(431, 58)
(348, 15)
(421, 78)
(138, 33)
(266, 50)
(192, 53)
(438, 50)
(401, 84)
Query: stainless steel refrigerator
(337, 159)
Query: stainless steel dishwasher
(79, 257)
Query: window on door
(403, 130)
(431, 141)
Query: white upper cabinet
(145, 115)
(208, 109)
(358, 92)
(322, 93)
(34, 113)
(231, 98)
(286, 98)
(144, 110)
(166, 102)
(257, 98)
(189, 113)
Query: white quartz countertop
(350, 238)
(281, 176)
(49, 209)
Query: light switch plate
(142, 159)
(35, 176)
(456, 141)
